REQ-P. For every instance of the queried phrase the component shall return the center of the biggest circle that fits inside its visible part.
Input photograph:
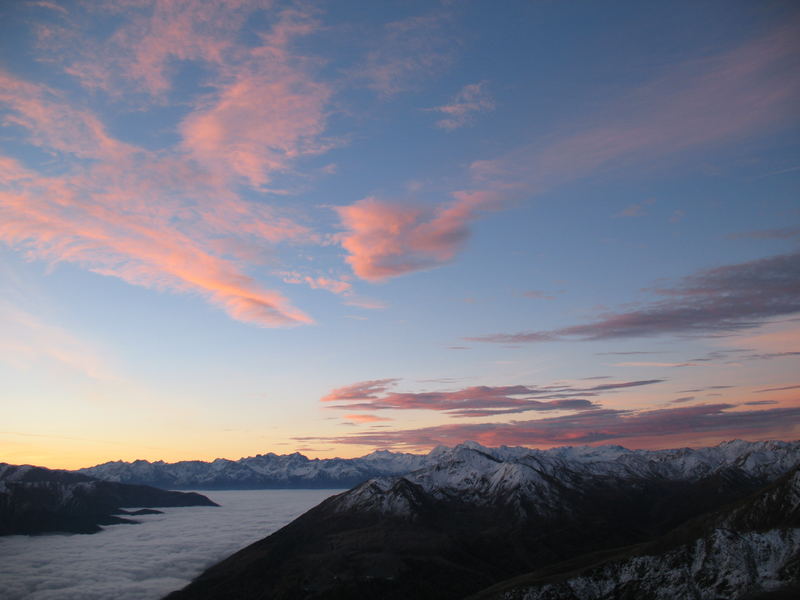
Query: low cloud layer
(721, 300)
(149, 560)
(474, 401)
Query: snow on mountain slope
(737, 552)
(260, 471)
(514, 476)
(468, 467)
(474, 517)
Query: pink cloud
(335, 286)
(154, 35)
(750, 88)
(172, 219)
(359, 391)
(475, 401)
(152, 220)
(50, 123)
(271, 113)
(266, 110)
(365, 418)
(691, 425)
(387, 239)
(51, 221)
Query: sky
(230, 228)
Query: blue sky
(236, 227)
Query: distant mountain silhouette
(39, 500)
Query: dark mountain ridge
(39, 500)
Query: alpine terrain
(474, 517)
(264, 471)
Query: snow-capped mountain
(39, 500)
(472, 517)
(473, 473)
(763, 460)
(264, 471)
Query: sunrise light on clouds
(228, 228)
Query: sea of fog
(146, 561)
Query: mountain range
(703, 523)
(264, 471)
(273, 471)
(39, 500)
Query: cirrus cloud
(471, 99)
(173, 218)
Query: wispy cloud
(636, 210)
(365, 418)
(537, 294)
(779, 389)
(28, 338)
(331, 284)
(745, 89)
(405, 52)
(725, 299)
(655, 364)
(682, 400)
(238, 132)
(780, 233)
(140, 55)
(50, 6)
(750, 88)
(475, 401)
(100, 218)
(174, 218)
(461, 110)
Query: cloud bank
(149, 560)
(721, 300)
(637, 429)
(475, 401)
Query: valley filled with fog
(159, 555)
